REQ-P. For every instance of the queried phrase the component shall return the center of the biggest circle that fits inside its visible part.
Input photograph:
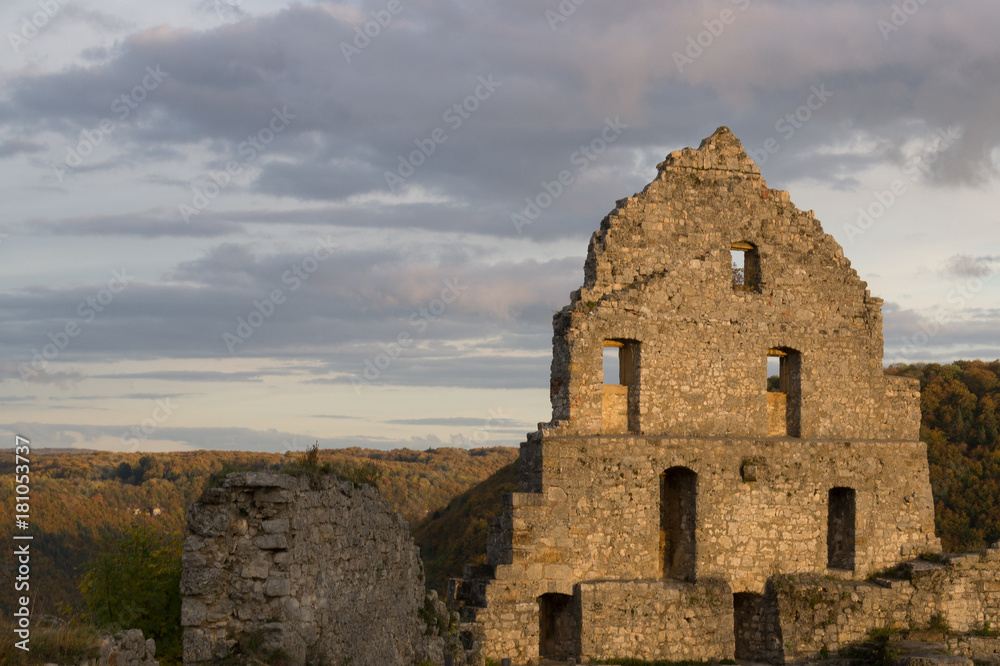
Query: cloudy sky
(254, 224)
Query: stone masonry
(307, 565)
(667, 495)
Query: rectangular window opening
(774, 374)
(612, 363)
(784, 392)
(746, 267)
(840, 529)
(739, 259)
(620, 370)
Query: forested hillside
(80, 501)
(960, 403)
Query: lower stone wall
(308, 565)
(819, 615)
(657, 620)
(527, 620)
(978, 648)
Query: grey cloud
(149, 224)
(19, 146)
(369, 112)
(912, 336)
(187, 376)
(352, 301)
(462, 421)
(967, 266)
(36, 374)
(64, 435)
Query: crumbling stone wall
(307, 565)
(818, 614)
(658, 273)
(693, 339)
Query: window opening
(745, 261)
(784, 392)
(840, 529)
(678, 507)
(774, 373)
(612, 364)
(620, 370)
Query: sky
(257, 225)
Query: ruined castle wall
(309, 565)
(819, 614)
(761, 507)
(659, 273)
(687, 468)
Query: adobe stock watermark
(455, 115)
(714, 28)
(790, 123)
(86, 312)
(913, 169)
(581, 158)
(562, 13)
(420, 321)
(898, 17)
(163, 410)
(497, 420)
(264, 309)
(363, 35)
(215, 182)
(33, 25)
(122, 106)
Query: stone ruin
(304, 570)
(679, 505)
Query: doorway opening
(678, 514)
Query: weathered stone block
(202, 581)
(193, 612)
(272, 542)
(210, 520)
(277, 587)
(276, 526)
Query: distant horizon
(239, 223)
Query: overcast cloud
(244, 204)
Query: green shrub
(985, 631)
(134, 583)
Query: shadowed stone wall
(308, 565)
(817, 613)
